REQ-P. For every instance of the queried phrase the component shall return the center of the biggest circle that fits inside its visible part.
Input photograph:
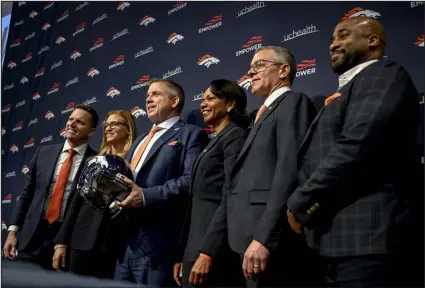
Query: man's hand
(295, 225)
(255, 260)
(59, 258)
(177, 273)
(9, 249)
(200, 271)
(135, 198)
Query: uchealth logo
(176, 71)
(100, 18)
(56, 65)
(119, 34)
(6, 108)
(215, 22)
(73, 81)
(49, 4)
(179, 5)
(306, 67)
(198, 96)
(75, 54)
(36, 96)
(21, 3)
(46, 139)
(245, 82)
(14, 148)
(54, 89)
(20, 103)
(79, 29)
(112, 92)
(146, 20)
(30, 143)
(123, 5)
(69, 107)
(33, 121)
(25, 170)
(420, 42)
(11, 65)
(39, 73)
(137, 111)
(97, 44)
(142, 82)
(10, 174)
(207, 60)
(8, 87)
(93, 72)
(301, 32)
(45, 26)
(358, 11)
(60, 40)
(63, 132)
(30, 36)
(27, 57)
(81, 6)
(63, 16)
(251, 45)
(117, 62)
(251, 8)
(3, 131)
(15, 43)
(174, 38)
(6, 200)
(23, 80)
(33, 14)
(143, 52)
(18, 126)
(18, 23)
(44, 49)
(90, 101)
(49, 115)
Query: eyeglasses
(113, 124)
(259, 65)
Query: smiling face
(79, 127)
(160, 105)
(213, 109)
(349, 46)
(117, 132)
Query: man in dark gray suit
(52, 179)
(253, 211)
(356, 164)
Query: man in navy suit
(53, 176)
(161, 161)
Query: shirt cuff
(13, 228)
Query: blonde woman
(93, 239)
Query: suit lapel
(161, 141)
(54, 153)
(253, 133)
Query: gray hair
(174, 89)
(284, 56)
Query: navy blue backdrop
(60, 54)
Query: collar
(348, 75)
(275, 94)
(167, 124)
(81, 150)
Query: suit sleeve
(217, 231)
(27, 194)
(291, 127)
(177, 186)
(375, 102)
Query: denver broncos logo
(207, 60)
(245, 82)
(137, 111)
(75, 55)
(174, 37)
(93, 72)
(59, 40)
(420, 42)
(63, 132)
(49, 115)
(23, 80)
(111, 92)
(11, 64)
(123, 5)
(25, 170)
(358, 11)
(147, 20)
(3, 226)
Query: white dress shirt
(76, 161)
(348, 75)
(275, 94)
(167, 124)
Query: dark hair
(231, 91)
(174, 88)
(93, 113)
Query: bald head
(356, 40)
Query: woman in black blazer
(222, 107)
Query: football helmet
(99, 185)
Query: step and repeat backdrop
(61, 54)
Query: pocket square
(174, 143)
(331, 98)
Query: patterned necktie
(54, 209)
(260, 112)
(142, 148)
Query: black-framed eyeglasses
(259, 65)
(113, 124)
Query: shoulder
(236, 132)
(383, 68)
(293, 99)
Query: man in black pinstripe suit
(355, 197)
